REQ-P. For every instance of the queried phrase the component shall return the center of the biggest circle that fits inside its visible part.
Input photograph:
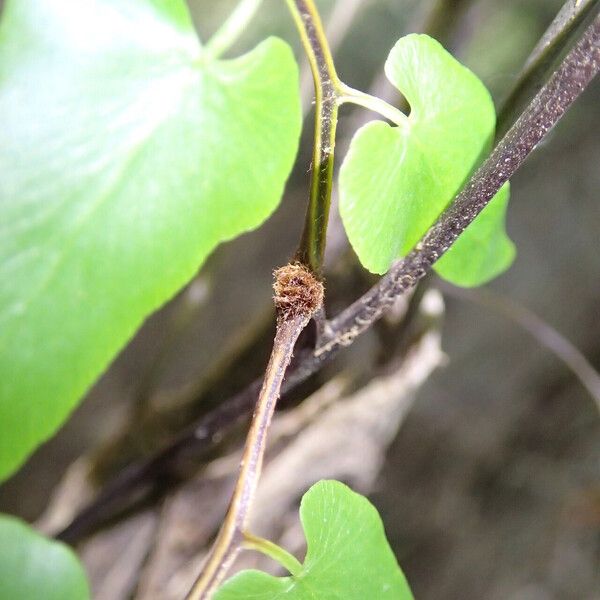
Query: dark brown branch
(574, 74)
(146, 477)
(228, 542)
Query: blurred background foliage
(491, 488)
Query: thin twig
(146, 477)
(568, 18)
(298, 294)
(227, 544)
(330, 93)
(542, 332)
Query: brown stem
(297, 296)
(227, 544)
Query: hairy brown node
(297, 291)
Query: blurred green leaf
(126, 158)
(395, 181)
(35, 568)
(347, 555)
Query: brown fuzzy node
(297, 291)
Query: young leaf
(347, 555)
(395, 181)
(127, 156)
(32, 566)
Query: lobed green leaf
(127, 157)
(396, 180)
(347, 555)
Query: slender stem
(327, 89)
(339, 20)
(544, 333)
(227, 544)
(568, 18)
(230, 31)
(298, 294)
(277, 553)
(374, 104)
(560, 35)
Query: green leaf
(395, 181)
(35, 568)
(127, 156)
(348, 555)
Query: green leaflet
(395, 181)
(126, 158)
(347, 557)
(33, 567)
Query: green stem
(374, 104)
(230, 31)
(277, 553)
(327, 90)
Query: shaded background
(491, 487)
